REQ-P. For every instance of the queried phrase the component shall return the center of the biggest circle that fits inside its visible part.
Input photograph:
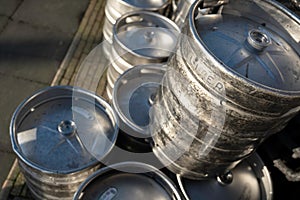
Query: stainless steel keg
(133, 96)
(127, 181)
(140, 38)
(233, 81)
(53, 133)
(116, 8)
(249, 180)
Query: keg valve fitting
(258, 40)
(67, 127)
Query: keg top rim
(146, 4)
(148, 22)
(136, 170)
(136, 85)
(240, 175)
(280, 83)
(52, 130)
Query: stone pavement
(87, 36)
(34, 38)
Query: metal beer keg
(132, 99)
(128, 181)
(52, 133)
(249, 180)
(181, 10)
(116, 8)
(140, 38)
(233, 81)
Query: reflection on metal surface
(58, 134)
(127, 181)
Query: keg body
(233, 81)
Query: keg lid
(116, 8)
(142, 36)
(147, 4)
(52, 129)
(133, 95)
(126, 181)
(253, 42)
(248, 180)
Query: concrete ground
(34, 38)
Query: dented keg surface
(209, 137)
(232, 82)
(202, 100)
(190, 167)
(212, 114)
(127, 181)
(52, 133)
(180, 124)
(173, 139)
(116, 8)
(249, 180)
(132, 99)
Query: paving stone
(8, 159)
(79, 49)
(6, 187)
(18, 185)
(24, 39)
(3, 22)
(71, 68)
(59, 15)
(37, 69)
(13, 92)
(64, 81)
(7, 7)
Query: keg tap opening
(67, 127)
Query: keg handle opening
(225, 179)
(152, 99)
